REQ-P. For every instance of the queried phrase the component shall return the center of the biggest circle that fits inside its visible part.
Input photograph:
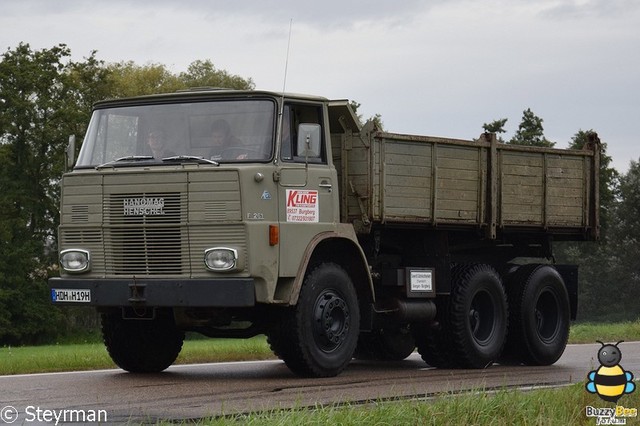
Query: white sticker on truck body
(302, 206)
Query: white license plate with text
(71, 295)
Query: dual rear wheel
(529, 321)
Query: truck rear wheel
(539, 320)
(478, 315)
(471, 323)
(318, 336)
(142, 346)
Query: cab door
(307, 183)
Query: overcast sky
(434, 67)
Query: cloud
(429, 67)
(606, 10)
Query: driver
(222, 140)
(157, 142)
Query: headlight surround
(75, 260)
(221, 258)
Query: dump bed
(449, 183)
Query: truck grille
(143, 233)
(147, 225)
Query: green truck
(239, 213)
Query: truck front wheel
(142, 346)
(318, 336)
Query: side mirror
(70, 153)
(309, 140)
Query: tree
(129, 79)
(204, 74)
(609, 277)
(35, 94)
(497, 127)
(624, 246)
(376, 119)
(530, 131)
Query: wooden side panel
(521, 187)
(459, 183)
(428, 181)
(407, 175)
(450, 182)
(565, 190)
(351, 158)
(542, 189)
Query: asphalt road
(198, 391)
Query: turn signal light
(274, 235)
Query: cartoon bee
(610, 381)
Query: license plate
(71, 295)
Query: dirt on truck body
(237, 213)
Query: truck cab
(198, 211)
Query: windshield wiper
(130, 158)
(179, 158)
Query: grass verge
(590, 332)
(564, 406)
(94, 356)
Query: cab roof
(203, 93)
(341, 116)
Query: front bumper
(153, 292)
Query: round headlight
(74, 260)
(220, 258)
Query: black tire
(388, 344)
(540, 315)
(318, 336)
(478, 316)
(142, 346)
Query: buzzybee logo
(610, 382)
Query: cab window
(301, 118)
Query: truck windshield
(220, 131)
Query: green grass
(48, 358)
(89, 356)
(93, 356)
(590, 332)
(220, 350)
(564, 406)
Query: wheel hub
(547, 316)
(332, 320)
(482, 317)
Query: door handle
(325, 184)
